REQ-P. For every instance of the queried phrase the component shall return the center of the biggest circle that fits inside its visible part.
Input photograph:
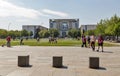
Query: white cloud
(8, 9)
(57, 13)
(22, 20)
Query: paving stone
(76, 61)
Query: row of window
(64, 25)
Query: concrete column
(94, 62)
(23, 61)
(57, 61)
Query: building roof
(90, 25)
(64, 19)
(34, 26)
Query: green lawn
(45, 42)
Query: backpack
(88, 39)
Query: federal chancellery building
(63, 25)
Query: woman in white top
(92, 41)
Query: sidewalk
(75, 60)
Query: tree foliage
(107, 27)
(54, 32)
(44, 34)
(90, 32)
(24, 33)
(101, 26)
(74, 33)
(3, 33)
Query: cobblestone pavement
(75, 61)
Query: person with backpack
(100, 42)
(84, 41)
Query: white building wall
(32, 28)
(88, 27)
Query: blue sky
(15, 13)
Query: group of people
(52, 40)
(91, 40)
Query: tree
(3, 33)
(24, 33)
(17, 33)
(37, 32)
(44, 33)
(109, 27)
(113, 26)
(117, 30)
(54, 32)
(90, 32)
(101, 26)
(31, 33)
(74, 33)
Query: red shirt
(100, 40)
(8, 38)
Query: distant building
(88, 27)
(64, 25)
(33, 28)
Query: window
(74, 25)
(51, 24)
(64, 26)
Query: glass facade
(63, 25)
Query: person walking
(21, 41)
(84, 41)
(92, 42)
(38, 39)
(88, 40)
(8, 41)
(100, 42)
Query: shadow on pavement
(63, 67)
(27, 66)
(100, 68)
(106, 52)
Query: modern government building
(88, 27)
(64, 25)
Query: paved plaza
(75, 61)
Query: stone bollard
(94, 62)
(57, 61)
(23, 61)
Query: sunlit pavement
(75, 60)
